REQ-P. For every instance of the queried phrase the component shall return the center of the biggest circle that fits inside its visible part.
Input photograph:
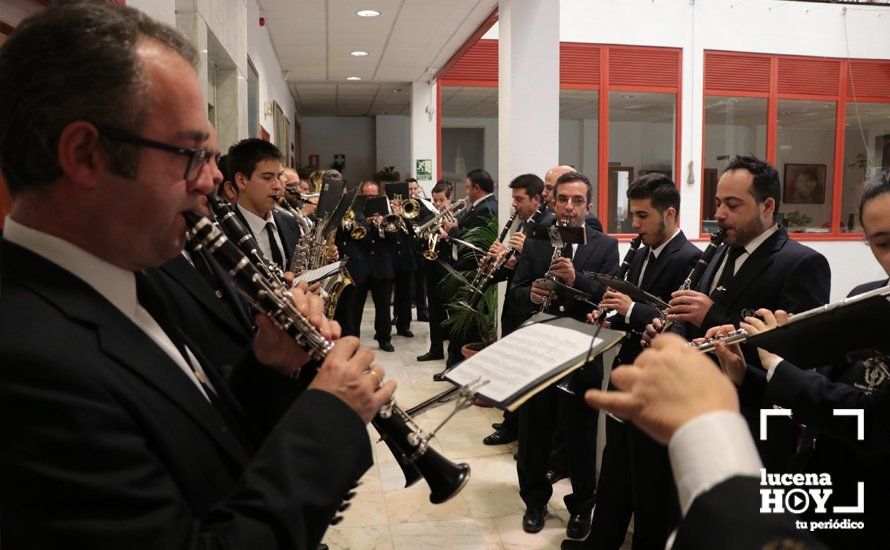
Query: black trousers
(345, 313)
(420, 287)
(537, 418)
(614, 496)
(656, 506)
(381, 292)
(402, 303)
(433, 273)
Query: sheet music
(320, 273)
(517, 361)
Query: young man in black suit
(831, 444)
(426, 213)
(256, 167)
(677, 396)
(434, 273)
(483, 207)
(401, 246)
(573, 195)
(143, 443)
(758, 266)
(635, 478)
(526, 191)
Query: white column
(423, 132)
(528, 95)
(528, 91)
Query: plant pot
(471, 349)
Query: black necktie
(273, 246)
(567, 251)
(150, 299)
(651, 262)
(728, 269)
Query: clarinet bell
(444, 477)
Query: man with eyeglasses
(117, 432)
(537, 417)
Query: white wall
(490, 125)
(393, 137)
(235, 24)
(351, 136)
(272, 86)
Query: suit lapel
(753, 266)
(119, 338)
(288, 234)
(636, 265)
(584, 251)
(664, 258)
(704, 284)
(187, 277)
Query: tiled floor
(486, 514)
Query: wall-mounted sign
(424, 169)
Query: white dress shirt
(654, 252)
(116, 285)
(257, 226)
(749, 249)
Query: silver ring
(374, 374)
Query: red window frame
(583, 66)
(789, 78)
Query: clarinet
(699, 269)
(622, 273)
(498, 264)
(484, 266)
(409, 443)
(556, 242)
(235, 230)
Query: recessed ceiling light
(358, 53)
(367, 13)
(353, 78)
(397, 91)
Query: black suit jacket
(780, 274)
(661, 279)
(97, 418)
(600, 254)
(727, 516)
(369, 256)
(288, 230)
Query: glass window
(469, 133)
(642, 135)
(579, 133)
(805, 160)
(866, 152)
(733, 126)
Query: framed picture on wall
(804, 184)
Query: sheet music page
(317, 274)
(513, 363)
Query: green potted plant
(463, 319)
(389, 173)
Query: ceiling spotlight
(397, 91)
(358, 53)
(353, 78)
(367, 13)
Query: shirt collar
(117, 285)
(476, 203)
(759, 239)
(657, 251)
(257, 224)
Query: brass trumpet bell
(358, 232)
(410, 209)
(431, 255)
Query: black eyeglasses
(198, 157)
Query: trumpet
(409, 443)
(430, 230)
(410, 209)
(348, 222)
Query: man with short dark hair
(434, 274)
(141, 442)
(537, 416)
(758, 266)
(256, 170)
(635, 478)
(483, 207)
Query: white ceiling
(410, 41)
